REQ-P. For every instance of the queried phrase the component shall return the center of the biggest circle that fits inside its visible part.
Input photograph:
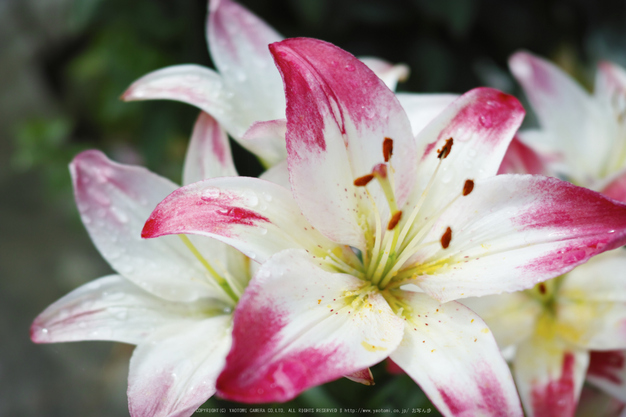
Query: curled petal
(298, 326)
(449, 351)
(113, 308)
(423, 108)
(174, 371)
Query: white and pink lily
(245, 94)
(172, 297)
(582, 136)
(384, 213)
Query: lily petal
(191, 84)
(511, 317)
(278, 174)
(267, 139)
(607, 370)
(592, 303)
(174, 371)
(549, 376)
(337, 121)
(298, 326)
(113, 308)
(616, 189)
(423, 108)
(449, 351)
(114, 200)
(257, 217)
(208, 154)
(610, 84)
(481, 123)
(513, 231)
(563, 106)
(238, 42)
(364, 376)
(386, 71)
(522, 159)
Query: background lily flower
(245, 94)
(383, 213)
(582, 136)
(172, 297)
(551, 332)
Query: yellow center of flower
(390, 246)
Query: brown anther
(380, 171)
(393, 222)
(445, 149)
(468, 187)
(387, 148)
(446, 238)
(542, 288)
(364, 180)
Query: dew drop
(119, 215)
(349, 67)
(262, 231)
(267, 197)
(486, 121)
(44, 331)
(210, 194)
(252, 200)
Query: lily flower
(582, 136)
(172, 297)
(553, 328)
(386, 232)
(245, 94)
(562, 329)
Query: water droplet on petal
(486, 121)
(350, 67)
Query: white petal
(449, 351)
(208, 154)
(238, 41)
(513, 231)
(174, 372)
(592, 303)
(298, 326)
(113, 308)
(114, 201)
(257, 217)
(549, 376)
(278, 174)
(339, 114)
(267, 140)
(481, 124)
(423, 108)
(511, 317)
(577, 123)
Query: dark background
(63, 65)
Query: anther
(387, 148)
(380, 171)
(364, 180)
(445, 149)
(446, 238)
(542, 288)
(393, 222)
(468, 187)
